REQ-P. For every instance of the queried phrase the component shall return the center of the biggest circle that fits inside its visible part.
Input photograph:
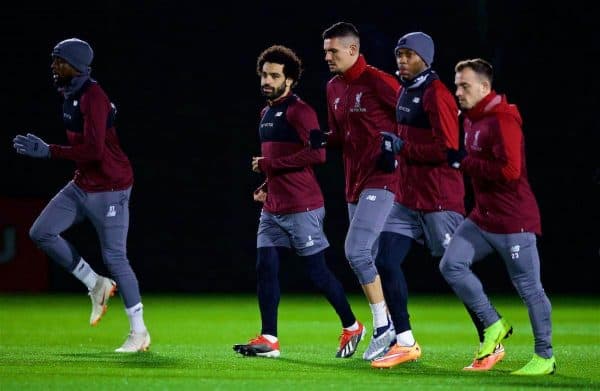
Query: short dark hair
(479, 66)
(279, 54)
(341, 29)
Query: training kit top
(360, 105)
(495, 161)
(284, 131)
(427, 118)
(94, 146)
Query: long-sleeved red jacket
(495, 161)
(94, 146)
(284, 131)
(427, 118)
(361, 104)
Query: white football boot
(135, 342)
(100, 293)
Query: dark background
(184, 81)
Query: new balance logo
(112, 211)
(447, 239)
(371, 197)
(310, 242)
(514, 251)
(387, 144)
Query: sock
(405, 338)
(270, 338)
(136, 318)
(85, 274)
(354, 327)
(380, 316)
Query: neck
(74, 84)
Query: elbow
(511, 173)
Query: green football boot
(492, 336)
(537, 366)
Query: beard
(276, 93)
(60, 81)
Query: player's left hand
(255, 160)
(31, 145)
(391, 142)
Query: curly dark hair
(279, 54)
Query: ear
(486, 86)
(352, 49)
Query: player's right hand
(391, 143)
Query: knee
(317, 269)
(38, 234)
(348, 250)
(318, 276)
(360, 258)
(356, 253)
(114, 257)
(530, 290)
(443, 265)
(116, 262)
(450, 269)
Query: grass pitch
(46, 343)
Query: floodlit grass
(46, 343)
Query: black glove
(317, 138)
(396, 143)
(387, 162)
(455, 157)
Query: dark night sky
(184, 81)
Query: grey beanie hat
(420, 43)
(76, 52)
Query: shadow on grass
(354, 364)
(415, 370)
(129, 360)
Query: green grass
(46, 343)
